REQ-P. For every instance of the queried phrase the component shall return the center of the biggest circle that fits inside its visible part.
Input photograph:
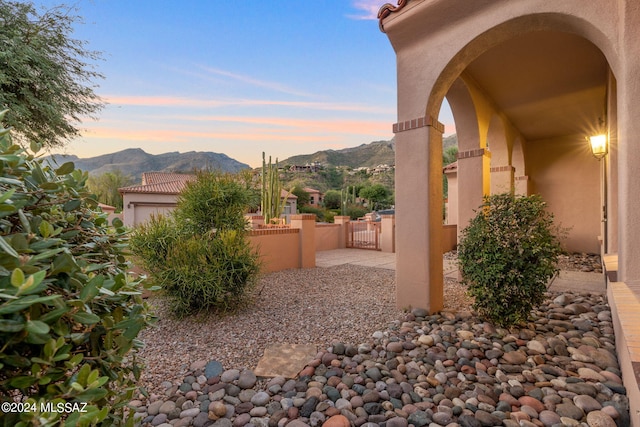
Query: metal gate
(364, 235)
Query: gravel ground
(317, 306)
(314, 306)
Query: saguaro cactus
(271, 204)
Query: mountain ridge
(135, 161)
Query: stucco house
(158, 194)
(315, 197)
(528, 83)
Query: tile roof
(288, 195)
(172, 187)
(158, 177)
(451, 167)
(160, 183)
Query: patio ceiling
(547, 83)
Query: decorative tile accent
(418, 123)
(507, 168)
(478, 152)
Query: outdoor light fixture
(598, 145)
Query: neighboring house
(451, 204)
(291, 205)
(315, 197)
(158, 194)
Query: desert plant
(272, 202)
(201, 273)
(199, 255)
(69, 312)
(213, 202)
(507, 255)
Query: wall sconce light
(598, 144)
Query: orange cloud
(187, 136)
(367, 127)
(168, 101)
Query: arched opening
(531, 100)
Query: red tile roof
(158, 177)
(160, 183)
(173, 187)
(451, 167)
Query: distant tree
(449, 155)
(332, 199)
(105, 187)
(303, 196)
(333, 177)
(377, 195)
(45, 74)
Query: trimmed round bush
(507, 255)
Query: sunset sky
(238, 77)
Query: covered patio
(528, 83)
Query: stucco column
(471, 184)
(388, 233)
(521, 185)
(307, 225)
(419, 275)
(628, 153)
(502, 179)
(343, 221)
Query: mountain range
(135, 161)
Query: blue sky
(238, 77)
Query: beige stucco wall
(328, 236)
(279, 249)
(567, 176)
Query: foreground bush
(199, 255)
(507, 255)
(69, 313)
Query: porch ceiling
(547, 83)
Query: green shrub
(507, 255)
(69, 312)
(214, 201)
(200, 255)
(329, 216)
(319, 213)
(152, 240)
(355, 211)
(202, 273)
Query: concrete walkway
(575, 281)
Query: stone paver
(285, 360)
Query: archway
(532, 84)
